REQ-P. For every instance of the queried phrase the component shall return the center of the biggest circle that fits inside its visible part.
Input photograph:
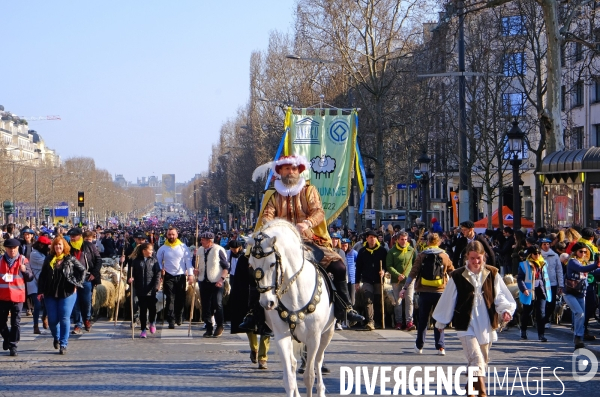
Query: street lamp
(370, 177)
(421, 174)
(516, 138)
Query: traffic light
(46, 212)
(80, 199)
(9, 207)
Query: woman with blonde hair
(473, 300)
(576, 281)
(430, 273)
(60, 276)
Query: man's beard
(290, 181)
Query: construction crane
(41, 118)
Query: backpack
(432, 271)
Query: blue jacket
(576, 271)
(525, 282)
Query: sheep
(322, 165)
(191, 293)
(104, 295)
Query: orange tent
(508, 220)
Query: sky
(142, 87)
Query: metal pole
(425, 193)
(463, 192)
(516, 196)
(36, 197)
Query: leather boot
(343, 307)
(481, 386)
(36, 329)
(475, 389)
(249, 323)
(45, 322)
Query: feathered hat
(275, 166)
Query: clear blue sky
(142, 86)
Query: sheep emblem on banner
(322, 165)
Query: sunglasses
(583, 251)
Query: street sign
(370, 214)
(402, 186)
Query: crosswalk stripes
(101, 330)
(179, 333)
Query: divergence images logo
(338, 132)
(584, 360)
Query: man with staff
(175, 262)
(370, 268)
(212, 271)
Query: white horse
(295, 298)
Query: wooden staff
(162, 275)
(194, 283)
(119, 286)
(382, 299)
(131, 305)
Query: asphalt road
(107, 361)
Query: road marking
(394, 334)
(101, 330)
(337, 337)
(180, 332)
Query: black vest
(466, 296)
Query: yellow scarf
(56, 259)
(588, 244)
(540, 262)
(175, 244)
(377, 245)
(401, 249)
(77, 244)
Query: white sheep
(323, 165)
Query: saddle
(318, 254)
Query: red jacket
(14, 291)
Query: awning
(567, 164)
(581, 160)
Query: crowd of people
(53, 273)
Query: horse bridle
(257, 252)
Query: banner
(329, 144)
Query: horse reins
(290, 317)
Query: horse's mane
(283, 223)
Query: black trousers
(539, 306)
(147, 304)
(338, 270)
(174, 289)
(12, 335)
(211, 298)
(550, 306)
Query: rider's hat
(297, 160)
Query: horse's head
(266, 262)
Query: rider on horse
(300, 203)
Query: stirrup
(249, 323)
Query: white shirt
(479, 326)
(176, 260)
(232, 263)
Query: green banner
(328, 143)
